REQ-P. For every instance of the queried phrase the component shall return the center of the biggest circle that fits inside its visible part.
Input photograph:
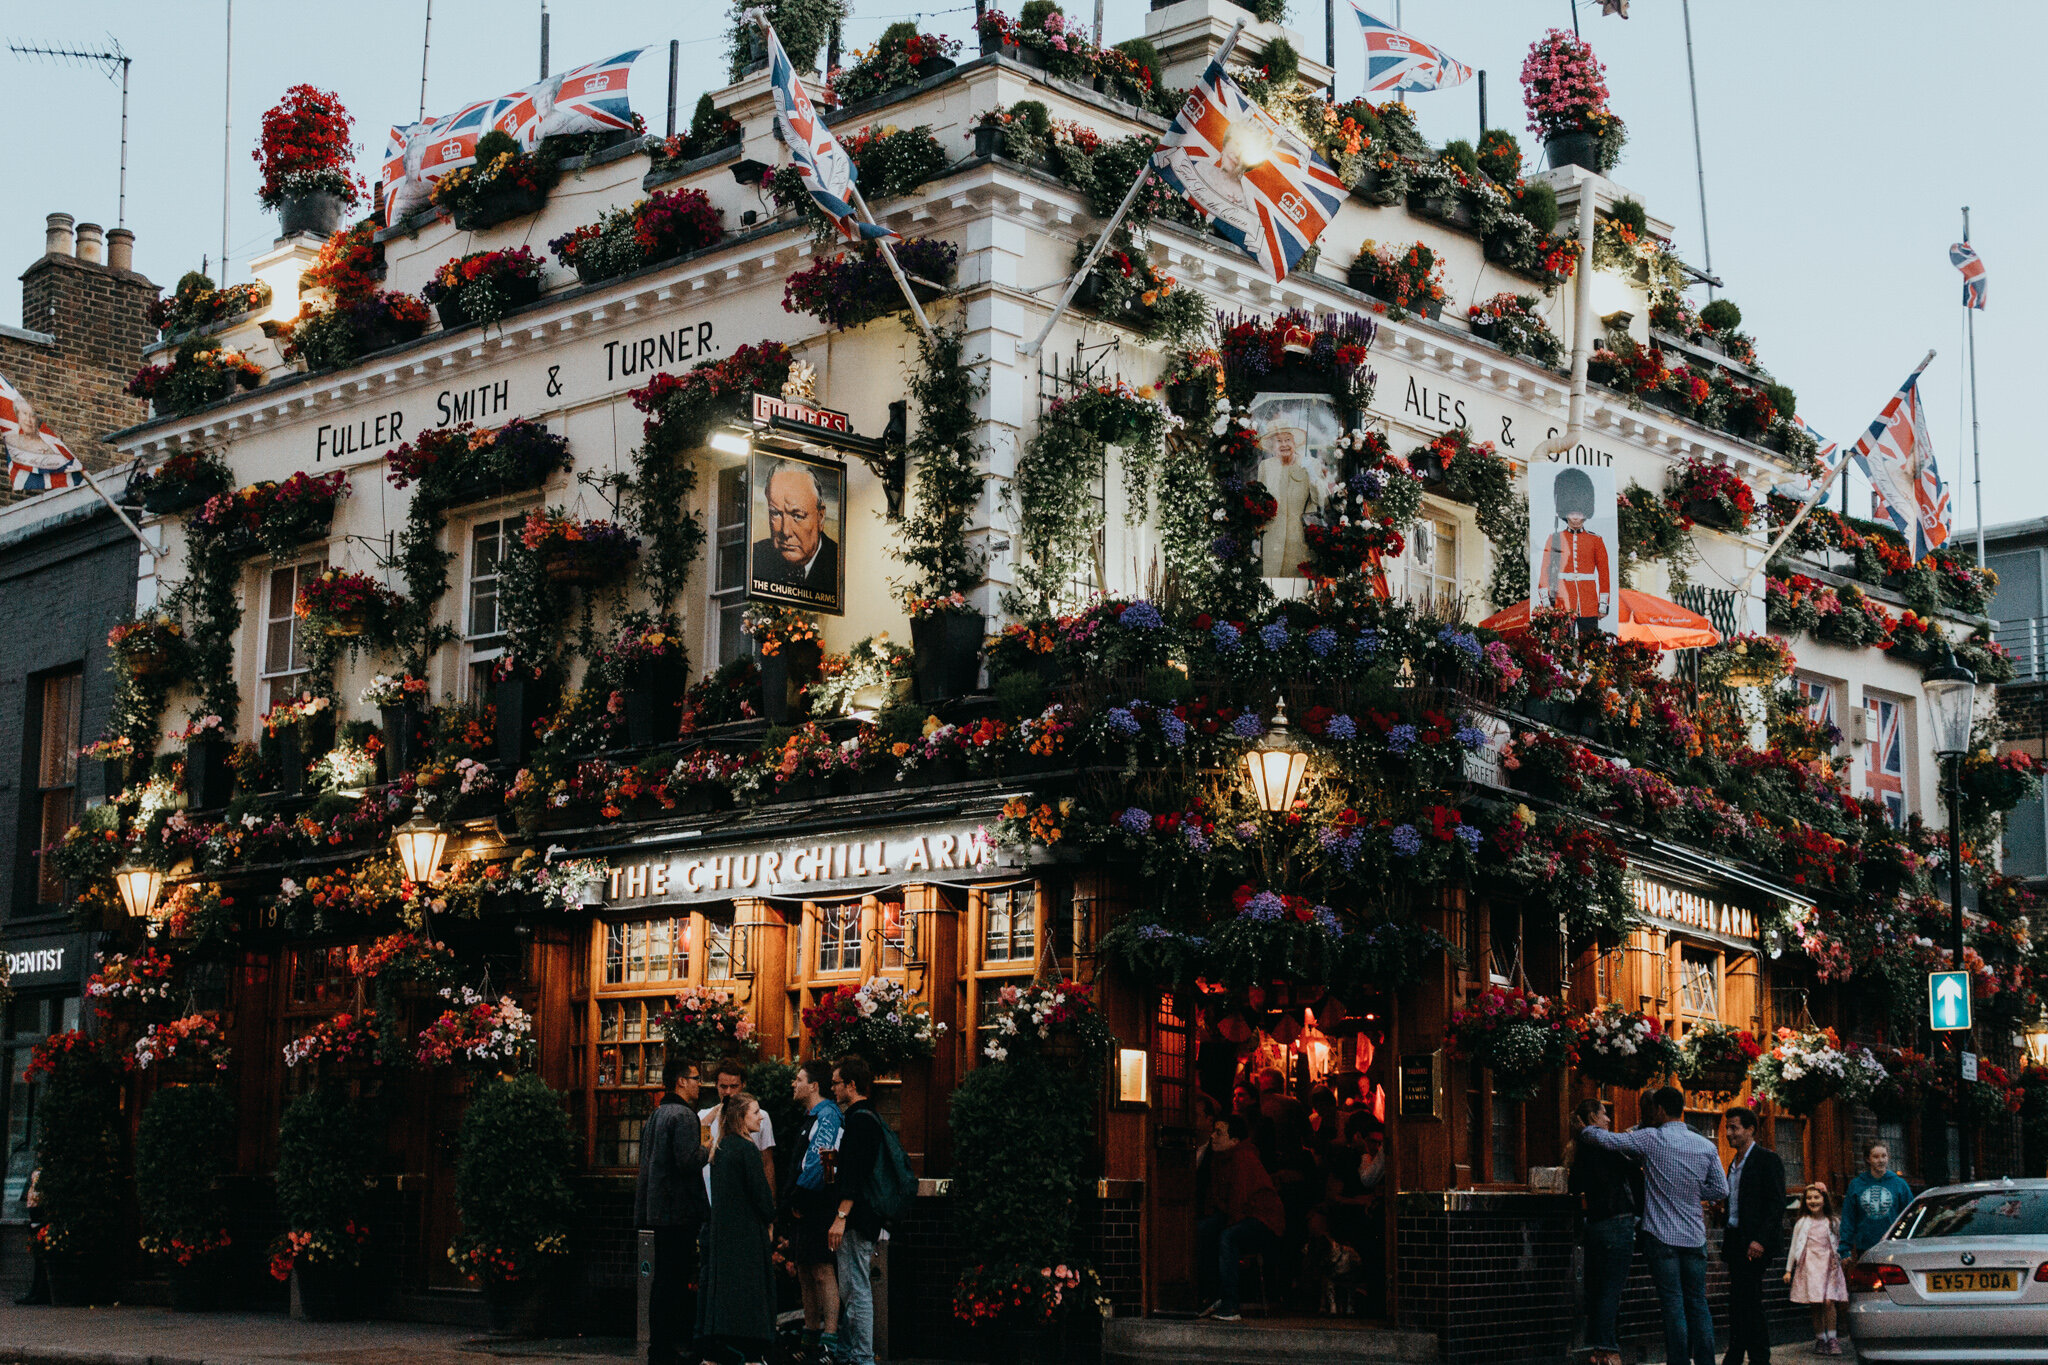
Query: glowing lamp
(1133, 1083)
(419, 843)
(1276, 765)
(140, 888)
(730, 443)
(2036, 1035)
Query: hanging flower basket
(1521, 1037)
(149, 646)
(579, 552)
(1715, 1059)
(1621, 1047)
(1802, 1071)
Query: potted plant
(459, 464)
(1801, 1070)
(200, 372)
(195, 304)
(209, 780)
(579, 552)
(791, 651)
(183, 1148)
(351, 328)
(1056, 1020)
(856, 286)
(1518, 1035)
(115, 756)
(987, 131)
(648, 660)
(503, 182)
(1566, 95)
(483, 286)
(1622, 1047)
(521, 696)
(947, 633)
(878, 1021)
(702, 1025)
(1409, 279)
(900, 58)
(303, 727)
(1712, 495)
(78, 1159)
(304, 151)
(401, 705)
(661, 227)
(513, 1159)
(180, 483)
(322, 1168)
(151, 644)
(343, 605)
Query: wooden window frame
(50, 779)
(267, 679)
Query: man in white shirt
(732, 1076)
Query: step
(1282, 1341)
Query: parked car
(1961, 1276)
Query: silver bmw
(1962, 1276)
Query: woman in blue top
(1873, 1203)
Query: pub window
(729, 565)
(1432, 562)
(53, 772)
(1892, 1133)
(1884, 756)
(1788, 1140)
(839, 937)
(1699, 983)
(284, 653)
(29, 1019)
(899, 934)
(483, 621)
(319, 981)
(718, 948)
(1506, 1132)
(1171, 1054)
(1009, 922)
(618, 1054)
(1504, 950)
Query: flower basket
(948, 645)
(318, 212)
(1573, 149)
(1624, 1048)
(879, 1021)
(499, 205)
(1802, 1071)
(1521, 1037)
(578, 552)
(784, 674)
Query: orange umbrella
(1645, 620)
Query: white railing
(2027, 638)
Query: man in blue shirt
(1681, 1170)
(1873, 1203)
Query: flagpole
(1848, 457)
(916, 308)
(1031, 347)
(156, 551)
(1976, 455)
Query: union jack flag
(1963, 257)
(1809, 487)
(446, 144)
(392, 177)
(1896, 454)
(821, 163)
(37, 461)
(1884, 761)
(593, 97)
(1261, 186)
(1399, 61)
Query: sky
(1836, 169)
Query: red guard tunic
(1574, 573)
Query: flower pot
(146, 657)
(1666, 399)
(1498, 249)
(298, 746)
(326, 1293)
(783, 674)
(940, 772)
(1486, 329)
(1722, 1078)
(1373, 188)
(209, 781)
(453, 315)
(994, 45)
(319, 212)
(987, 141)
(403, 748)
(1600, 372)
(176, 498)
(573, 568)
(935, 66)
(948, 654)
(499, 206)
(344, 627)
(196, 1288)
(1573, 149)
(515, 1308)
(1184, 397)
(586, 273)
(113, 777)
(654, 688)
(520, 702)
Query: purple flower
(1326, 920)
(1140, 616)
(1246, 830)
(1122, 721)
(1226, 636)
(1472, 836)
(1343, 845)
(1401, 739)
(1474, 738)
(1248, 726)
(1224, 547)
(1406, 840)
(1321, 641)
(1273, 635)
(1369, 483)
(1135, 821)
(1196, 840)
(1463, 641)
(1368, 643)
(1266, 907)
(1174, 728)
(1341, 727)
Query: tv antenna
(116, 62)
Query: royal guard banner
(592, 98)
(1574, 554)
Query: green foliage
(324, 1146)
(1539, 206)
(1460, 154)
(1722, 315)
(183, 1146)
(1267, 11)
(1783, 399)
(945, 470)
(1500, 157)
(78, 1150)
(802, 25)
(704, 118)
(1021, 1133)
(1032, 118)
(496, 143)
(1036, 12)
(1508, 532)
(769, 1082)
(1632, 213)
(1282, 62)
(512, 1165)
(1141, 51)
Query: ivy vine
(209, 602)
(946, 470)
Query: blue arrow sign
(1948, 1001)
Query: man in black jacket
(669, 1198)
(1754, 1238)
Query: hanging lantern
(419, 843)
(1276, 765)
(140, 888)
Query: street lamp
(1951, 697)
(1276, 765)
(139, 887)
(419, 843)
(2036, 1035)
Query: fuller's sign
(768, 407)
(797, 867)
(1677, 908)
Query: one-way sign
(1948, 1001)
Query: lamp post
(1951, 697)
(1276, 765)
(139, 887)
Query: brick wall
(93, 314)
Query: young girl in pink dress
(1814, 1269)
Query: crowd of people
(1292, 1190)
(1648, 1189)
(708, 1189)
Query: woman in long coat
(736, 1299)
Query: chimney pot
(57, 234)
(91, 244)
(121, 249)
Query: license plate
(1971, 1281)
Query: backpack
(892, 1185)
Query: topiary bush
(78, 1149)
(1282, 62)
(1016, 1201)
(1539, 205)
(1722, 315)
(324, 1148)
(183, 1147)
(1632, 213)
(512, 1166)
(1036, 12)
(1500, 157)
(769, 1083)
(1141, 51)
(1460, 154)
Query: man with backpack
(875, 1188)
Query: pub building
(782, 892)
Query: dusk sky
(1836, 169)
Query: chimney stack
(91, 244)
(57, 235)
(121, 249)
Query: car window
(1996, 1213)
